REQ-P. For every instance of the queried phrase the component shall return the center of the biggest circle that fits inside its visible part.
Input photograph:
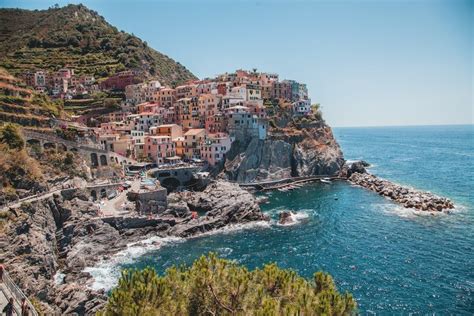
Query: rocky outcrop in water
(409, 198)
(285, 218)
(220, 204)
(287, 152)
(63, 233)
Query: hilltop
(77, 37)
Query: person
(25, 309)
(8, 309)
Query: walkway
(276, 184)
(9, 289)
(114, 207)
(31, 198)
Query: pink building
(167, 97)
(215, 147)
(216, 123)
(158, 148)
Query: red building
(120, 80)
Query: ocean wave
(234, 228)
(106, 273)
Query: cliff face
(289, 152)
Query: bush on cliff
(11, 136)
(213, 286)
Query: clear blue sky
(367, 62)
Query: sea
(393, 260)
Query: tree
(11, 136)
(214, 286)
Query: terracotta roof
(194, 131)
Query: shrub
(213, 286)
(11, 136)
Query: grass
(79, 38)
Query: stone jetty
(408, 197)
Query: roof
(194, 131)
(158, 136)
(167, 125)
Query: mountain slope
(23, 106)
(79, 38)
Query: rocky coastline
(405, 196)
(63, 234)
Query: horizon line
(407, 125)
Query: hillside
(77, 37)
(24, 106)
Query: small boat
(326, 180)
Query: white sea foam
(401, 211)
(296, 218)
(106, 273)
(235, 227)
(59, 277)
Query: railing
(17, 294)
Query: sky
(368, 63)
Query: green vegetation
(11, 136)
(77, 37)
(24, 167)
(23, 106)
(213, 286)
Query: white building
(302, 107)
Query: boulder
(285, 218)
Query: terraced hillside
(77, 37)
(23, 106)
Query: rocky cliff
(292, 151)
(62, 235)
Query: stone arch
(61, 147)
(33, 142)
(103, 193)
(103, 160)
(35, 145)
(94, 195)
(49, 146)
(94, 160)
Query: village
(194, 122)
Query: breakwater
(408, 197)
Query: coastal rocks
(261, 159)
(317, 154)
(220, 204)
(409, 198)
(63, 233)
(262, 199)
(350, 168)
(285, 218)
(287, 153)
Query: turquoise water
(393, 260)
